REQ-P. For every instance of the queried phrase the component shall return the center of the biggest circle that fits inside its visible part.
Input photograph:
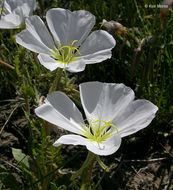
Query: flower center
(99, 131)
(66, 54)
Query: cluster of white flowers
(110, 109)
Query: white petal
(104, 100)
(16, 17)
(13, 4)
(31, 3)
(61, 111)
(27, 9)
(36, 37)
(7, 7)
(52, 64)
(49, 62)
(135, 117)
(4, 24)
(108, 146)
(16, 11)
(26, 5)
(10, 5)
(76, 66)
(70, 139)
(97, 47)
(67, 26)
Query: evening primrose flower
(14, 12)
(72, 45)
(111, 112)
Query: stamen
(66, 54)
(107, 124)
(99, 131)
(3, 11)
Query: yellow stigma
(66, 54)
(99, 130)
(3, 11)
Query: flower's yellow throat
(66, 54)
(99, 130)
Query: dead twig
(8, 118)
(6, 64)
(147, 160)
(2, 160)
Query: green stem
(133, 37)
(26, 103)
(66, 78)
(102, 164)
(46, 183)
(59, 74)
(23, 80)
(57, 81)
(35, 58)
(47, 127)
(86, 165)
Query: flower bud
(113, 27)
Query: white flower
(72, 46)
(14, 12)
(110, 109)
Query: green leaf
(53, 186)
(62, 187)
(20, 157)
(128, 43)
(2, 168)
